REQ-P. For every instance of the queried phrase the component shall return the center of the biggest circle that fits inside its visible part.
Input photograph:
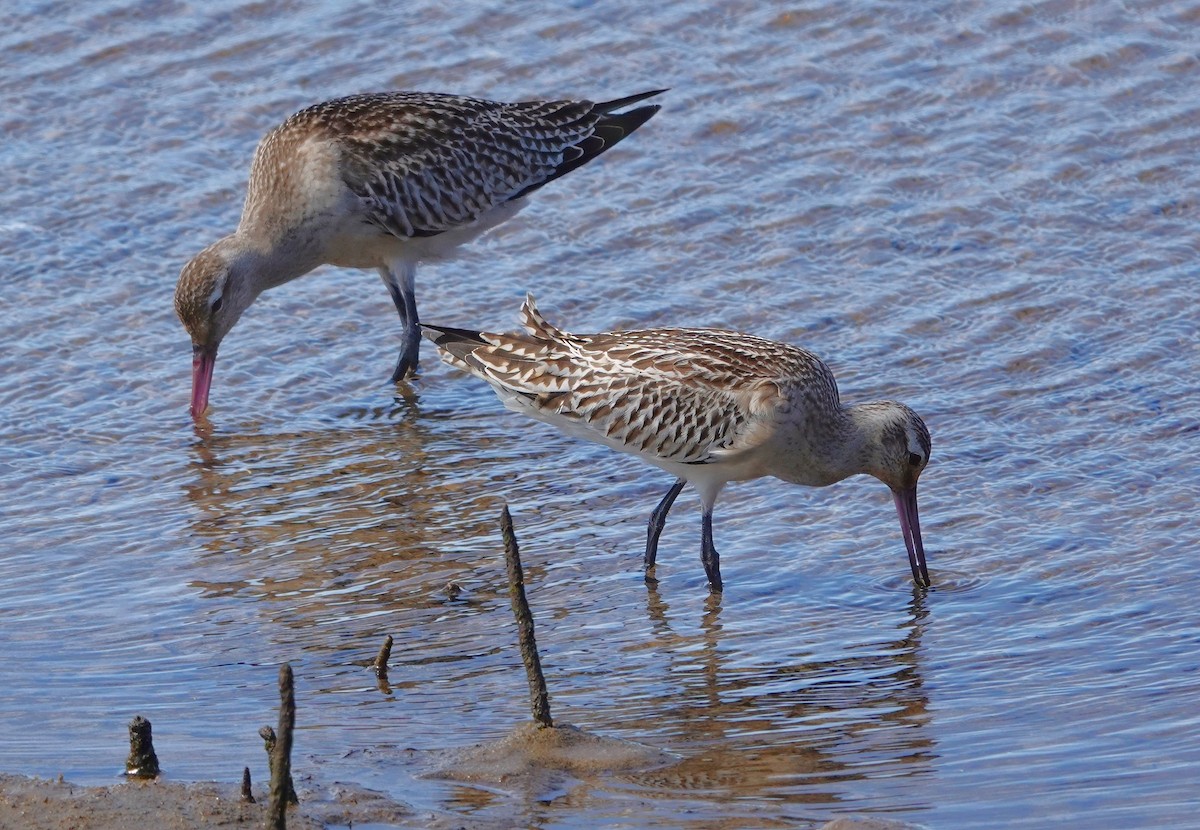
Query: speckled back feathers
(424, 163)
(683, 395)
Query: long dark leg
(400, 279)
(658, 520)
(708, 553)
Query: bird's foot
(648, 574)
(410, 351)
(406, 366)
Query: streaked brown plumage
(383, 181)
(708, 405)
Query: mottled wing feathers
(539, 327)
(425, 163)
(683, 395)
(659, 416)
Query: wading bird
(706, 405)
(384, 180)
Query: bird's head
(897, 451)
(899, 444)
(209, 298)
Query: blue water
(986, 210)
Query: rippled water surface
(987, 210)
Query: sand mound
(531, 752)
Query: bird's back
(683, 396)
(421, 164)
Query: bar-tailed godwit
(384, 180)
(706, 405)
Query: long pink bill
(910, 526)
(204, 360)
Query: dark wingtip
(609, 106)
(441, 335)
(611, 128)
(457, 342)
(609, 131)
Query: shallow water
(986, 210)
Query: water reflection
(339, 521)
(804, 730)
(800, 728)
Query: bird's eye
(915, 459)
(216, 305)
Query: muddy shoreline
(41, 804)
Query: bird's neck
(264, 263)
(823, 450)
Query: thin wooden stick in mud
(380, 666)
(282, 792)
(539, 698)
(142, 761)
(247, 793)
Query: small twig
(142, 761)
(539, 698)
(282, 791)
(247, 794)
(380, 666)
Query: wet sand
(529, 759)
(39, 804)
(528, 763)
